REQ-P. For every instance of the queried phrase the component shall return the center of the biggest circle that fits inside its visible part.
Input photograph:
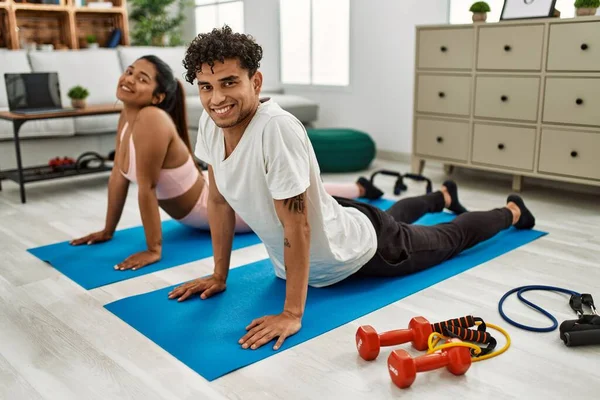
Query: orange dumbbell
(403, 368)
(369, 342)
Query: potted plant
(91, 41)
(78, 94)
(586, 7)
(480, 10)
(157, 22)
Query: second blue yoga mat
(93, 266)
(207, 331)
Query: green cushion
(342, 150)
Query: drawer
(444, 94)
(511, 47)
(570, 153)
(572, 101)
(507, 97)
(444, 139)
(574, 47)
(445, 48)
(504, 146)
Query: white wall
(261, 20)
(382, 52)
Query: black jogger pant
(403, 248)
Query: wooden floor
(58, 342)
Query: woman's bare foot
(367, 189)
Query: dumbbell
(369, 342)
(403, 368)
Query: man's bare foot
(516, 211)
(447, 198)
(522, 217)
(451, 202)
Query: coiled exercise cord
(435, 337)
(520, 291)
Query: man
(262, 166)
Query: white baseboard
(393, 156)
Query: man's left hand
(262, 330)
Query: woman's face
(137, 84)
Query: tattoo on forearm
(286, 243)
(295, 204)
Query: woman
(153, 149)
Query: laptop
(33, 93)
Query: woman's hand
(139, 260)
(205, 286)
(96, 237)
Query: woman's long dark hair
(174, 101)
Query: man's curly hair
(218, 45)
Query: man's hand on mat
(139, 260)
(205, 286)
(96, 237)
(262, 330)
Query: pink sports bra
(172, 182)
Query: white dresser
(519, 97)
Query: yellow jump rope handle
(435, 338)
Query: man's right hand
(96, 237)
(206, 287)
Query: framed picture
(523, 9)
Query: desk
(34, 174)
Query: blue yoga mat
(93, 266)
(207, 333)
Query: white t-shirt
(275, 160)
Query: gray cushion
(96, 124)
(194, 111)
(41, 128)
(97, 70)
(304, 109)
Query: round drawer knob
(442, 94)
(444, 49)
(500, 146)
(579, 101)
(439, 139)
(574, 154)
(584, 47)
(507, 48)
(504, 98)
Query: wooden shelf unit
(4, 38)
(64, 25)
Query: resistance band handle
(581, 338)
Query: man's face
(228, 94)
